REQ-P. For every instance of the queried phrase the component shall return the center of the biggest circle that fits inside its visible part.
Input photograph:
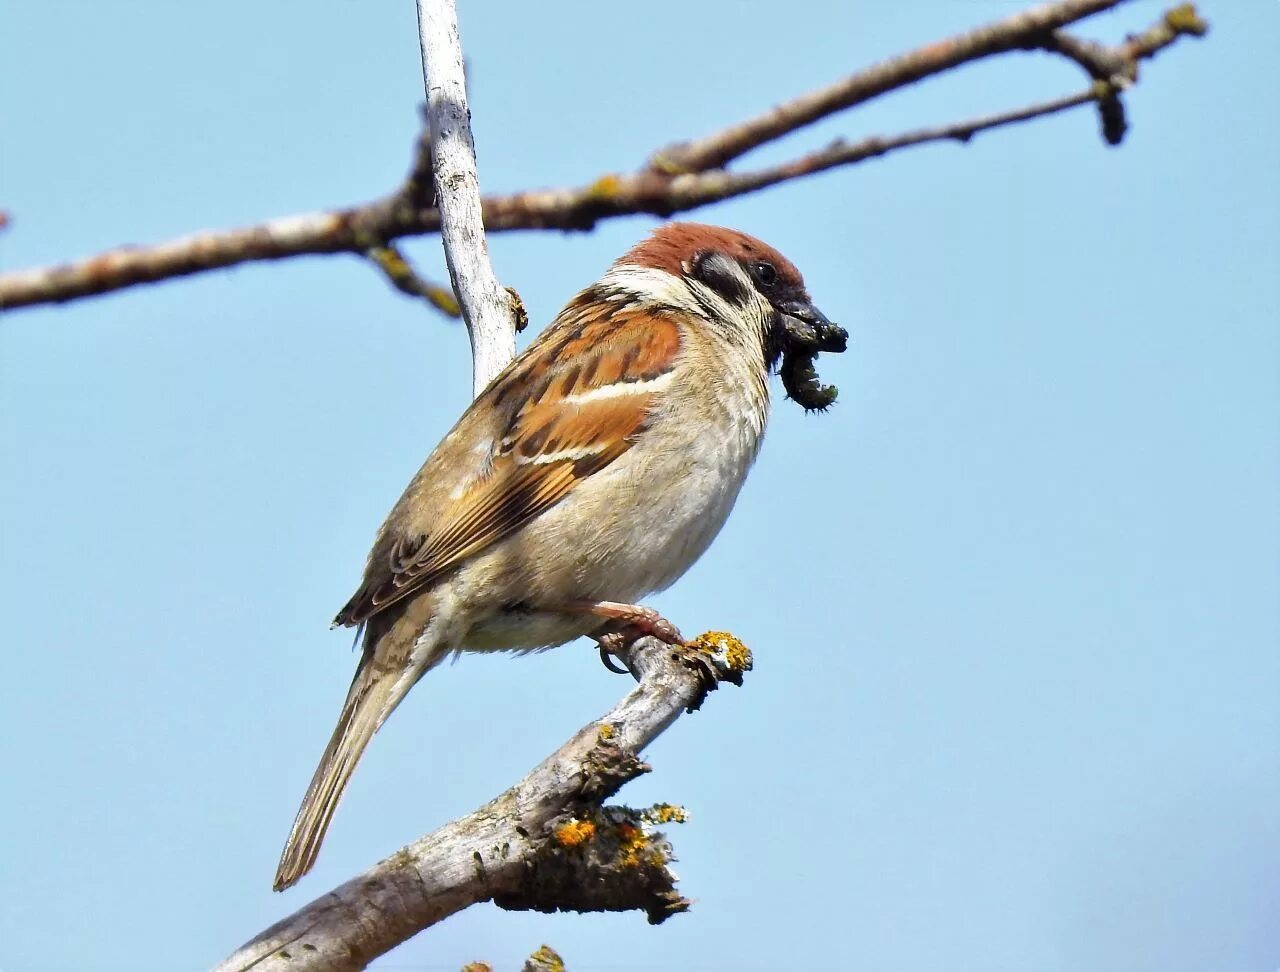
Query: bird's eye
(766, 274)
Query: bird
(593, 471)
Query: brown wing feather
(548, 443)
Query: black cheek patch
(714, 270)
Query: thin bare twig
(1011, 33)
(401, 275)
(1116, 68)
(486, 305)
(696, 189)
(653, 189)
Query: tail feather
(374, 692)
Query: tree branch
(1011, 33)
(678, 179)
(401, 275)
(547, 843)
(486, 305)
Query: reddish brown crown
(672, 247)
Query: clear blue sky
(1017, 695)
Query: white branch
(486, 305)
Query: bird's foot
(634, 620)
(608, 651)
(630, 622)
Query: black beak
(807, 330)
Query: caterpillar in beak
(802, 340)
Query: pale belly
(663, 511)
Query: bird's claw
(637, 622)
(606, 658)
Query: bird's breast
(639, 524)
(634, 527)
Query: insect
(801, 343)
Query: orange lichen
(632, 844)
(575, 832)
(606, 187)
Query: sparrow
(593, 471)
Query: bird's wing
(576, 400)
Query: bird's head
(744, 285)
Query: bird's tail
(374, 692)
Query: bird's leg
(627, 622)
(635, 620)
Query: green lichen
(1186, 20)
